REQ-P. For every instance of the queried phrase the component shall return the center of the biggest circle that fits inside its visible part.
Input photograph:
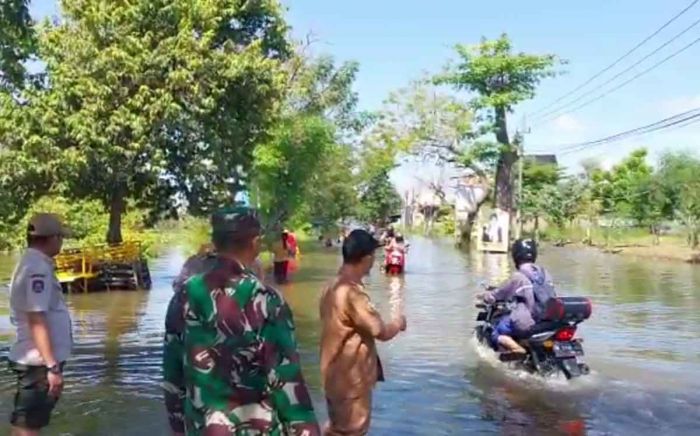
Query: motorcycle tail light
(565, 334)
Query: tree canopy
(497, 79)
(147, 99)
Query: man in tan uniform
(350, 366)
(44, 333)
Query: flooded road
(642, 342)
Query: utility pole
(521, 158)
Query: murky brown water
(643, 343)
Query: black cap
(358, 244)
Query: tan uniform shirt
(350, 365)
(35, 288)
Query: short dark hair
(358, 244)
(224, 241)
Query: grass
(633, 241)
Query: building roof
(545, 159)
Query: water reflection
(642, 343)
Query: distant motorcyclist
(530, 287)
(398, 243)
(388, 236)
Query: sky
(397, 41)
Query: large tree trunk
(465, 229)
(116, 208)
(503, 197)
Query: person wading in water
(350, 366)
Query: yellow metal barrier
(78, 266)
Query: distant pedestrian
(280, 258)
(242, 370)
(44, 333)
(350, 365)
(292, 244)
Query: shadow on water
(642, 343)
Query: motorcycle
(551, 344)
(394, 261)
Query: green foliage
(331, 195)
(446, 223)
(284, 166)
(497, 77)
(151, 98)
(17, 42)
(631, 193)
(88, 221)
(679, 179)
(536, 175)
(379, 199)
(423, 122)
(319, 87)
(295, 173)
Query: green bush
(88, 221)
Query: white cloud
(568, 123)
(678, 105)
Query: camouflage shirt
(242, 370)
(174, 347)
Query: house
(542, 159)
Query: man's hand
(55, 384)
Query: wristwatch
(54, 369)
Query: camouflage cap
(236, 221)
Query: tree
(318, 110)
(499, 80)
(422, 122)
(17, 42)
(285, 165)
(540, 193)
(679, 177)
(379, 199)
(150, 98)
(331, 195)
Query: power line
(627, 82)
(626, 70)
(618, 60)
(681, 116)
(672, 126)
(686, 119)
(679, 120)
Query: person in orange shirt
(350, 365)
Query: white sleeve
(37, 284)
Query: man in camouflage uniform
(242, 370)
(174, 346)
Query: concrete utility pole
(521, 158)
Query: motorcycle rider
(388, 236)
(397, 243)
(530, 287)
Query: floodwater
(642, 343)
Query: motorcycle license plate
(568, 349)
